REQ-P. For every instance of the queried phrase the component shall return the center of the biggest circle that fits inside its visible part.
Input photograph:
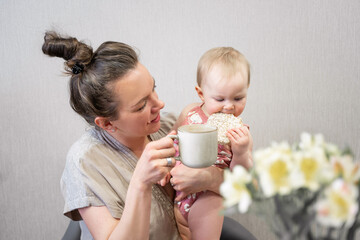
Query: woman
(111, 172)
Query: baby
(223, 78)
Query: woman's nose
(157, 103)
(161, 104)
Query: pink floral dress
(197, 116)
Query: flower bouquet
(308, 190)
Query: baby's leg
(205, 220)
(182, 224)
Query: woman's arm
(135, 219)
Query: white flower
(234, 190)
(332, 149)
(274, 167)
(312, 168)
(345, 167)
(308, 141)
(262, 155)
(339, 204)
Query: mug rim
(204, 126)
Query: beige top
(98, 171)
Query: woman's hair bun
(68, 48)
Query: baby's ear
(200, 93)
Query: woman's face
(139, 105)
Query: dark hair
(91, 72)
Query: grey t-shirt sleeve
(75, 192)
(95, 175)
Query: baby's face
(223, 93)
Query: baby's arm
(241, 146)
(183, 115)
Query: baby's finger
(233, 135)
(245, 130)
(239, 131)
(168, 176)
(162, 182)
(166, 179)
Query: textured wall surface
(305, 77)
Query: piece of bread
(223, 122)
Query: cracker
(224, 122)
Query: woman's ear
(104, 123)
(200, 93)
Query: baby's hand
(239, 139)
(165, 180)
(241, 146)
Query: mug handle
(173, 137)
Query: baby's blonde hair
(230, 59)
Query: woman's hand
(190, 180)
(153, 165)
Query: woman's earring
(113, 130)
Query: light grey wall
(305, 61)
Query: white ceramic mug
(198, 145)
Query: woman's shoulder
(86, 150)
(83, 144)
(91, 156)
